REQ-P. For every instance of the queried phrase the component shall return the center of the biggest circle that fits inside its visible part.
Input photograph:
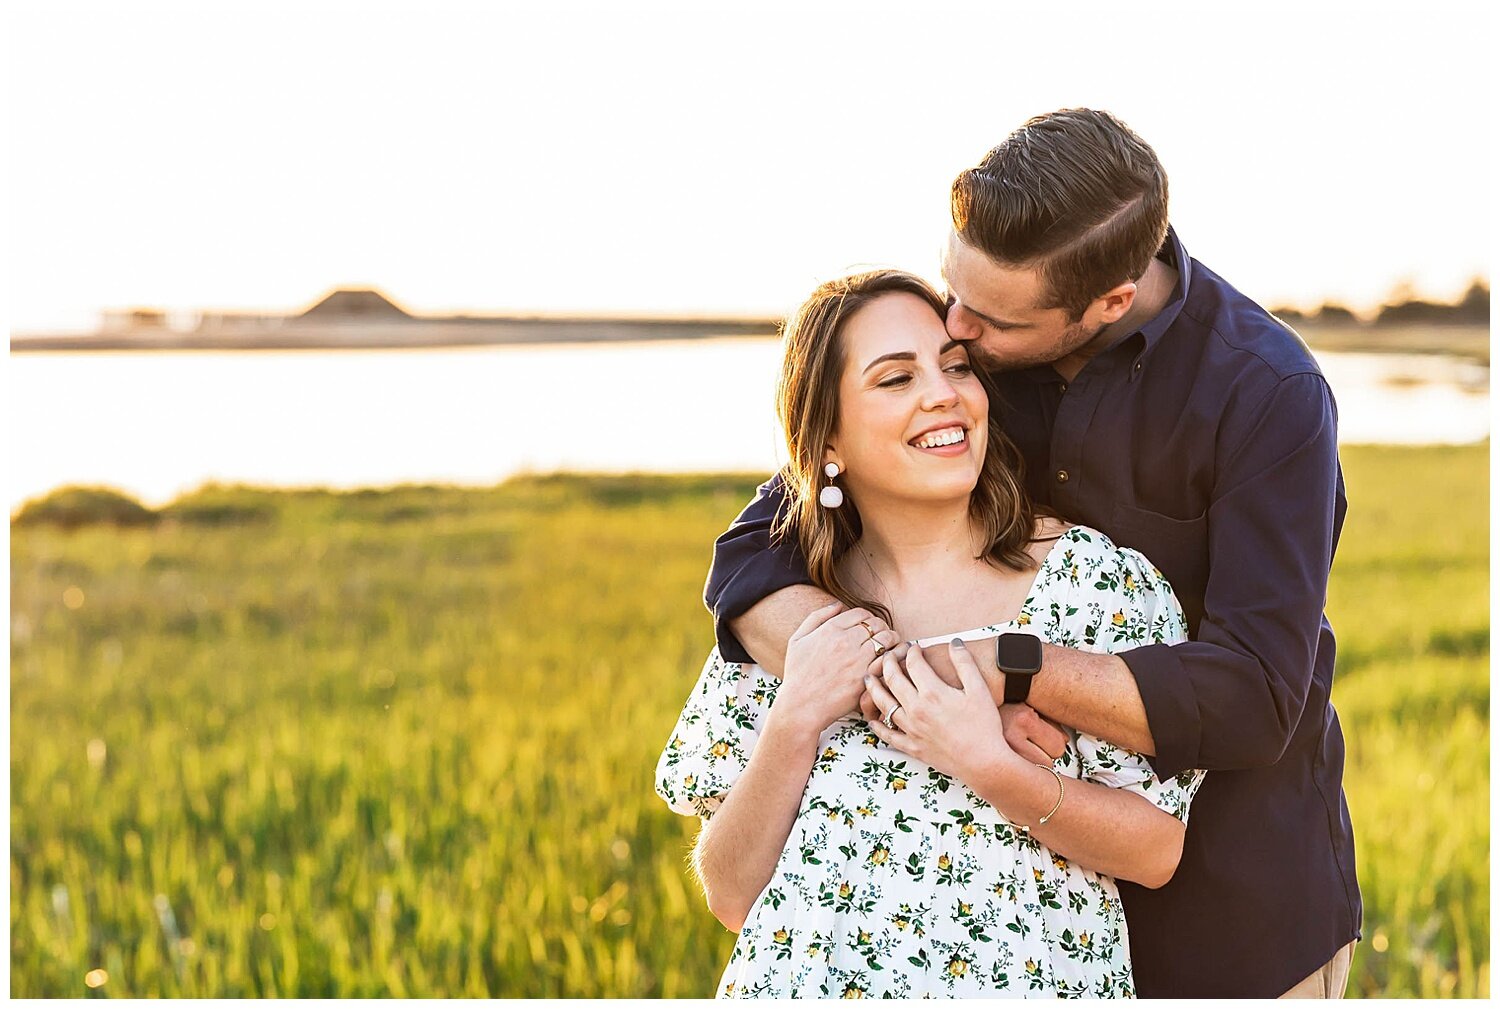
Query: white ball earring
(831, 496)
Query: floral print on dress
(898, 881)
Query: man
(1152, 400)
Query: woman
(916, 854)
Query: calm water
(156, 424)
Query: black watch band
(1017, 688)
(1019, 657)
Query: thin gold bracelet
(1060, 791)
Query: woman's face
(913, 417)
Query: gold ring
(868, 629)
(879, 649)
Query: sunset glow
(673, 159)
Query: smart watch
(1019, 657)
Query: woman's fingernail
(958, 643)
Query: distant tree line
(1403, 309)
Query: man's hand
(1031, 735)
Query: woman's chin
(927, 492)
(957, 479)
(930, 480)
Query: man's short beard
(1075, 337)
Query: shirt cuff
(733, 602)
(1171, 708)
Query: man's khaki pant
(1329, 980)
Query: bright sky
(703, 157)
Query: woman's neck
(905, 543)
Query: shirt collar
(1173, 252)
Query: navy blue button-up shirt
(1206, 440)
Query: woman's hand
(955, 730)
(827, 660)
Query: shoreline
(1465, 341)
(520, 331)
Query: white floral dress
(897, 880)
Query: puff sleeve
(711, 743)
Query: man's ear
(1114, 303)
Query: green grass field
(402, 742)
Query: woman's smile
(950, 440)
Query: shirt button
(1062, 387)
(1138, 366)
(1062, 476)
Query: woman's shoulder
(1091, 556)
(1048, 531)
(1115, 597)
(1082, 539)
(1066, 544)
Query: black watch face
(1018, 653)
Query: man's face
(994, 308)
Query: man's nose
(961, 324)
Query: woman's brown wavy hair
(807, 401)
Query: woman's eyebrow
(907, 355)
(900, 355)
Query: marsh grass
(401, 742)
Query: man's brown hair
(1074, 193)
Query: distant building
(134, 318)
(356, 304)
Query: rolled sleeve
(1141, 607)
(1171, 712)
(748, 567)
(1232, 697)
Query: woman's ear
(831, 458)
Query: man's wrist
(1045, 677)
(1023, 656)
(987, 657)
